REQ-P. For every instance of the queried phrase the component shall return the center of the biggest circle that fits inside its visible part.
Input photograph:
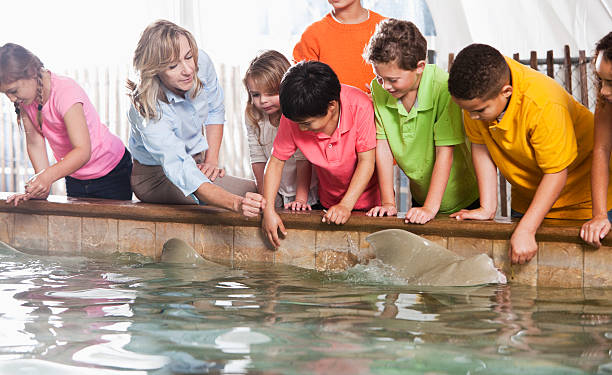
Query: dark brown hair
(603, 47)
(396, 41)
(479, 71)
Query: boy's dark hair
(396, 41)
(307, 89)
(603, 47)
(479, 71)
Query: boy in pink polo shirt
(333, 126)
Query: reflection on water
(127, 316)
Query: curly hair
(479, 71)
(396, 41)
(603, 47)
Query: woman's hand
(337, 214)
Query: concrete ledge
(94, 226)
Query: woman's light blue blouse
(177, 134)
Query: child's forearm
(384, 171)
(545, 197)
(486, 174)
(600, 176)
(304, 175)
(258, 172)
(439, 177)
(272, 177)
(602, 147)
(361, 178)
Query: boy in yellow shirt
(537, 134)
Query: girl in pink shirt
(49, 107)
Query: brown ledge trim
(550, 231)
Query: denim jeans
(518, 215)
(115, 185)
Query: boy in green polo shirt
(419, 125)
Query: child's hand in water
(298, 205)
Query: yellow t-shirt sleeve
(472, 129)
(553, 139)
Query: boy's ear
(420, 66)
(331, 106)
(506, 91)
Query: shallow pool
(125, 315)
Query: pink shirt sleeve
(284, 144)
(366, 127)
(67, 97)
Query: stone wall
(93, 227)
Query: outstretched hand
(270, 226)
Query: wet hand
(523, 246)
(477, 214)
(270, 225)
(419, 215)
(298, 205)
(211, 170)
(385, 209)
(337, 214)
(594, 230)
(252, 204)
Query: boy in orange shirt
(537, 134)
(338, 40)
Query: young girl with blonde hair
(50, 107)
(262, 117)
(178, 93)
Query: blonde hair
(18, 63)
(157, 49)
(266, 70)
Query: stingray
(422, 262)
(194, 266)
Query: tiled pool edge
(90, 227)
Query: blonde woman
(178, 93)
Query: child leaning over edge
(94, 162)
(537, 134)
(338, 40)
(262, 117)
(333, 126)
(419, 125)
(598, 227)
